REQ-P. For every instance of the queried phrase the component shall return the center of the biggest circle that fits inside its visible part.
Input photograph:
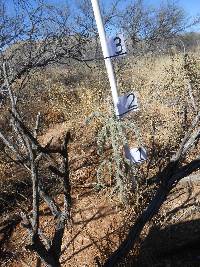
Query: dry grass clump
(162, 88)
(63, 94)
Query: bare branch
(37, 125)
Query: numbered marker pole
(127, 103)
(105, 49)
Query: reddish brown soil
(97, 227)
(99, 223)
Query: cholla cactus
(121, 170)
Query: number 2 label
(127, 103)
(131, 102)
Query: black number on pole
(132, 97)
(118, 43)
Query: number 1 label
(136, 155)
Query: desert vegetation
(68, 195)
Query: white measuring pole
(105, 49)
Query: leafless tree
(30, 154)
(37, 36)
(191, 40)
(151, 27)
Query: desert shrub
(162, 87)
(166, 111)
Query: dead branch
(30, 158)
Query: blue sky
(192, 7)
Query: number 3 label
(116, 45)
(127, 103)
